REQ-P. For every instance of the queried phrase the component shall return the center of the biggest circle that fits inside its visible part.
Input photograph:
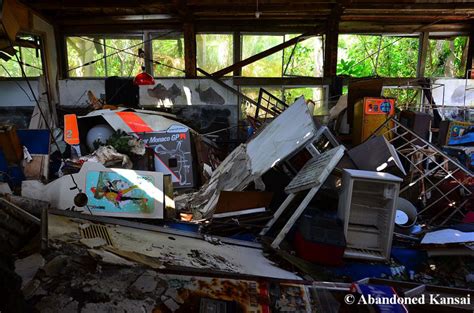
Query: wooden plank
(351, 27)
(148, 52)
(279, 81)
(422, 53)
(265, 53)
(330, 46)
(237, 48)
(470, 55)
(190, 50)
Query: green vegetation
(447, 57)
(393, 56)
(364, 56)
(32, 63)
(214, 51)
(170, 52)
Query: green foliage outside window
(302, 59)
(307, 58)
(81, 51)
(270, 66)
(31, 58)
(102, 57)
(124, 63)
(170, 52)
(214, 51)
(447, 57)
(386, 56)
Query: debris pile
(141, 215)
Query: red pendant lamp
(143, 78)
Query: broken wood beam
(266, 53)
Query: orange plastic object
(71, 130)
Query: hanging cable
(40, 109)
(124, 50)
(133, 54)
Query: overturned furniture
(441, 186)
(367, 207)
(308, 182)
(274, 145)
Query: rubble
(27, 267)
(287, 218)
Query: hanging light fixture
(143, 78)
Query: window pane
(169, 52)
(307, 59)
(82, 50)
(10, 68)
(32, 63)
(317, 95)
(386, 56)
(214, 51)
(125, 63)
(270, 66)
(446, 57)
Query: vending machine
(369, 114)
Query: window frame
(103, 37)
(163, 34)
(283, 64)
(41, 48)
(232, 35)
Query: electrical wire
(40, 110)
(124, 50)
(397, 40)
(133, 54)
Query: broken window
(30, 57)
(446, 57)
(214, 52)
(302, 59)
(384, 55)
(168, 54)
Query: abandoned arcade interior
(236, 156)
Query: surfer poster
(125, 193)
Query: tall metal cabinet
(367, 206)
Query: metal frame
(313, 184)
(271, 103)
(424, 107)
(418, 156)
